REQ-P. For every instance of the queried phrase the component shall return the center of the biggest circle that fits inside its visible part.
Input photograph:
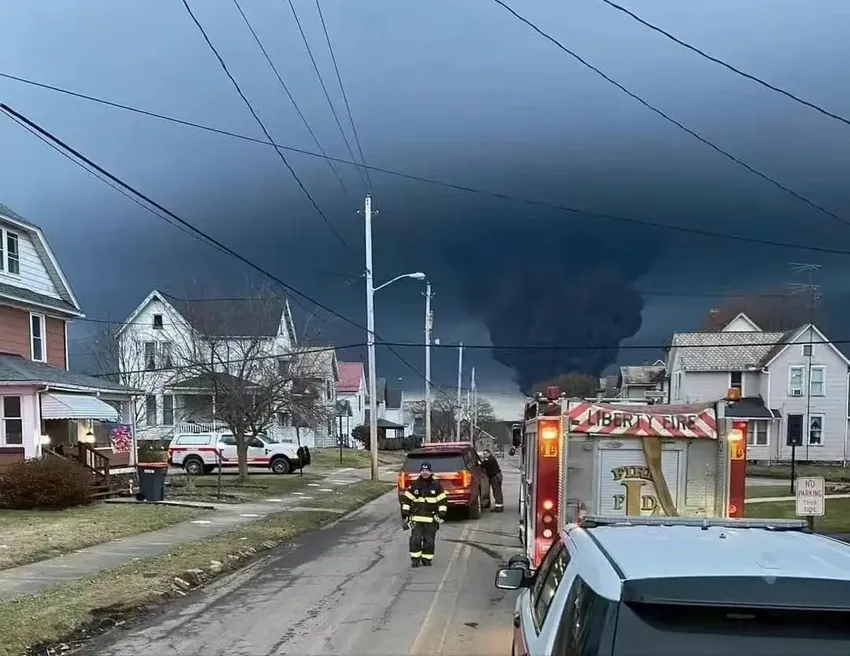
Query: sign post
(811, 498)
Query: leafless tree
(444, 415)
(574, 385)
(776, 309)
(241, 356)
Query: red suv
(459, 469)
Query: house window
(167, 409)
(736, 381)
(329, 392)
(283, 367)
(360, 403)
(795, 381)
(283, 419)
(808, 350)
(165, 355)
(157, 321)
(13, 257)
(816, 430)
(817, 384)
(39, 353)
(330, 427)
(150, 356)
(12, 421)
(757, 434)
(150, 410)
(677, 384)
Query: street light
(370, 336)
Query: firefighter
(424, 508)
(494, 473)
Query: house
(792, 385)
(318, 377)
(44, 408)
(390, 410)
(351, 390)
(158, 338)
(643, 382)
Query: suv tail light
(401, 484)
(466, 478)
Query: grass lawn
(329, 458)
(258, 487)
(836, 519)
(356, 493)
(757, 491)
(829, 472)
(31, 535)
(62, 610)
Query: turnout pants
(496, 487)
(422, 538)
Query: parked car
(458, 468)
(201, 453)
(667, 586)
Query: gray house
(791, 384)
(644, 382)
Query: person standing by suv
(494, 473)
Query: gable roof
(792, 336)
(16, 369)
(643, 375)
(350, 377)
(223, 317)
(746, 319)
(67, 303)
(318, 362)
(729, 351)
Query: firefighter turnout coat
(425, 501)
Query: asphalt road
(349, 590)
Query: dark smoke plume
(571, 289)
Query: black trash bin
(152, 480)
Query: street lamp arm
(418, 275)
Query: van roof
(671, 551)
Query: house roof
(382, 423)
(232, 317)
(643, 375)
(206, 381)
(350, 377)
(743, 316)
(729, 351)
(314, 361)
(67, 303)
(15, 369)
(792, 336)
(380, 389)
(750, 407)
(394, 399)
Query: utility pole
(429, 325)
(459, 387)
(809, 270)
(473, 408)
(370, 342)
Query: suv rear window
(656, 630)
(440, 462)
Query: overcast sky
(457, 91)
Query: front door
(258, 454)
(229, 456)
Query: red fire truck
(583, 457)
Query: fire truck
(590, 457)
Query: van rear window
(440, 462)
(665, 630)
(193, 440)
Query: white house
(319, 377)
(155, 339)
(792, 385)
(643, 382)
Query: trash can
(152, 480)
(304, 457)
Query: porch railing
(94, 461)
(200, 427)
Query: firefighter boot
(415, 562)
(427, 562)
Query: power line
(344, 95)
(290, 96)
(728, 66)
(586, 347)
(448, 185)
(261, 124)
(670, 119)
(325, 89)
(56, 140)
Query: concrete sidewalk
(32, 579)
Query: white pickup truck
(201, 453)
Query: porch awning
(76, 406)
(751, 407)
